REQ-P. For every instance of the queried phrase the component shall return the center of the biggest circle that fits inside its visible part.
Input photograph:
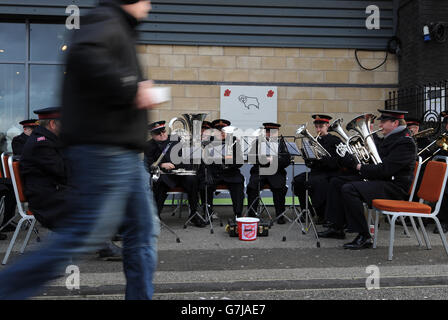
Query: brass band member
(413, 125)
(161, 142)
(390, 179)
(18, 142)
(321, 170)
(277, 180)
(221, 173)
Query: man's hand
(144, 98)
(167, 166)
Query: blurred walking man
(104, 125)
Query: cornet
(318, 150)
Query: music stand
(294, 152)
(192, 153)
(258, 211)
(310, 155)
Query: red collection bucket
(247, 228)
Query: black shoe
(198, 222)
(332, 233)
(281, 220)
(444, 228)
(360, 242)
(110, 253)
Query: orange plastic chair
(431, 190)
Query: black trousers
(10, 201)
(345, 204)
(236, 194)
(278, 195)
(318, 185)
(188, 183)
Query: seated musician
(44, 170)
(221, 171)
(413, 125)
(321, 170)
(160, 143)
(390, 179)
(18, 142)
(275, 180)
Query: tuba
(190, 136)
(316, 147)
(362, 145)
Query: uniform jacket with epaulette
(44, 173)
(398, 152)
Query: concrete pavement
(216, 266)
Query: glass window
(45, 86)
(12, 41)
(48, 42)
(12, 101)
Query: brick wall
(332, 76)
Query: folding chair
(26, 215)
(177, 191)
(418, 165)
(431, 190)
(6, 174)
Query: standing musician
(18, 142)
(390, 179)
(321, 170)
(160, 143)
(218, 171)
(276, 180)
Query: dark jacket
(44, 175)
(328, 164)
(398, 153)
(101, 82)
(283, 158)
(153, 149)
(18, 142)
(226, 171)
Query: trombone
(441, 142)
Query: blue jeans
(110, 189)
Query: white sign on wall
(247, 107)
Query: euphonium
(318, 149)
(367, 151)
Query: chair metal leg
(377, 219)
(392, 238)
(425, 235)
(417, 233)
(442, 235)
(13, 240)
(406, 231)
(27, 238)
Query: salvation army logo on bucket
(247, 228)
